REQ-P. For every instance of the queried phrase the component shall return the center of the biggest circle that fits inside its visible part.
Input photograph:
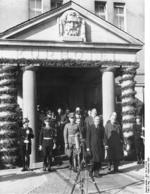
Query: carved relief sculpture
(72, 26)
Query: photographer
(26, 136)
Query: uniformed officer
(71, 129)
(139, 145)
(47, 143)
(26, 136)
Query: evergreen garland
(8, 118)
(66, 63)
(128, 106)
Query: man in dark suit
(95, 147)
(26, 136)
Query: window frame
(120, 15)
(34, 9)
(56, 4)
(105, 11)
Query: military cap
(25, 120)
(46, 119)
(71, 115)
(49, 112)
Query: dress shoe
(90, 174)
(139, 162)
(75, 170)
(49, 170)
(96, 174)
(24, 169)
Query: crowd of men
(80, 134)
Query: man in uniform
(26, 136)
(47, 143)
(139, 145)
(71, 129)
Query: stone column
(108, 93)
(29, 105)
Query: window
(56, 3)
(36, 8)
(100, 9)
(119, 15)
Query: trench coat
(94, 141)
(114, 139)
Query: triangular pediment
(50, 26)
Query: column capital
(31, 67)
(128, 70)
(108, 69)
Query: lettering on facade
(72, 26)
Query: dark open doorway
(69, 87)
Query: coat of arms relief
(72, 26)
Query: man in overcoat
(26, 136)
(95, 146)
(114, 142)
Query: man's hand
(106, 147)
(88, 152)
(27, 132)
(66, 146)
(40, 147)
(54, 146)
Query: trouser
(139, 146)
(95, 167)
(25, 157)
(47, 156)
(115, 163)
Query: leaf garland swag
(8, 116)
(65, 63)
(128, 107)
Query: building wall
(134, 19)
(12, 12)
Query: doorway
(69, 88)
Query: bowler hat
(71, 115)
(25, 120)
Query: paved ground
(61, 181)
